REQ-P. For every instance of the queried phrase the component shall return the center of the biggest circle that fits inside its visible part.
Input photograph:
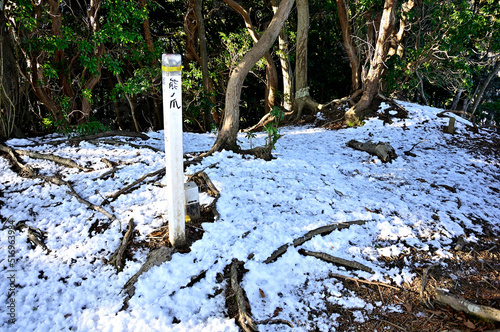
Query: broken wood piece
(323, 230)
(275, 321)
(336, 260)
(203, 181)
(35, 235)
(243, 319)
(384, 151)
(117, 259)
(336, 275)
(459, 303)
(411, 154)
(155, 258)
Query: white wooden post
(172, 119)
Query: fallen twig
(335, 275)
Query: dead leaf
(470, 324)
(407, 307)
(262, 293)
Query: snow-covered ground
(423, 202)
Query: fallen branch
(243, 318)
(117, 258)
(274, 321)
(127, 188)
(203, 181)
(458, 303)
(35, 155)
(384, 151)
(155, 258)
(411, 154)
(324, 230)
(336, 260)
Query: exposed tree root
(117, 259)
(35, 155)
(458, 303)
(155, 258)
(35, 236)
(100, 135)
(384, 151)
(336, 260)
(28, 171)
(324, 230)
(117, 143)
(242, 316)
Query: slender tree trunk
(228, 133)
(357, 112)
(456, 100)
(302, 98)
(356, 82)
(480, 93)
(146, 27)
(286, 68)
(9, 80)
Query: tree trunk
(349, 46)
(146, 27)
(479, 95)
(302, 99)
(9, 80)
(228, 133)
(286, 68)
(354, 115)
(198, 4)
(271, 72)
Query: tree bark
(228, 133)
(349, 45)
(357, 112)
(302, 98)
(286, 68)
(9, 80)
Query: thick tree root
(35, 155)
(336, 260)
(324, 230)
(155, 258)
(117, 259)
(384, 151)
(243, 317)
